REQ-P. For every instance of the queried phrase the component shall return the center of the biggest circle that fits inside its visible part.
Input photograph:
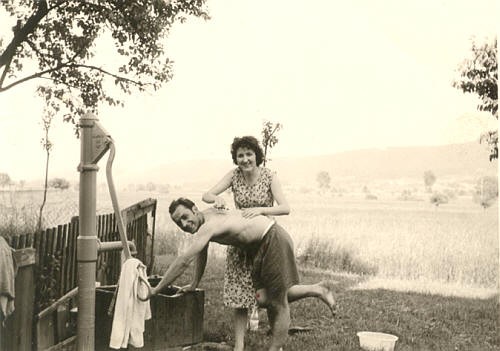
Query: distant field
(455, 243)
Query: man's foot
(327, 294)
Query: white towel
(7, 280)
(130, 312)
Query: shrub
(438, 199)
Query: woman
(255, 189)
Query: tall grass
(16, 218)
(453, 244)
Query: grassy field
(454, 245)
(424, 273)
(421, 321)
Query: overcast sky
(339, 75)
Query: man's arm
(199, 268)
(200, 245)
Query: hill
(458, 160)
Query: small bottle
(254, 319)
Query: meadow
(428, 274)
(455, 244)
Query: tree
(60, 38)
(486, 191)
(4, 179)
(323, 179)
(59, 183)
(429, 180)
(479, 75)
(269, 137)
(47, 146)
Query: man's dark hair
(249, 142)
(180, 201)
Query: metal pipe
(87, 238)
(115, 245)
(114, 200)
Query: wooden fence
(56, 263)
(50, 271)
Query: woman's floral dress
(238, 288)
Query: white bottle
(254, 319)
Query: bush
(438, 199)
(407, 195)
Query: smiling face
(245, 159)
(187, 219)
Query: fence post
(17, 334)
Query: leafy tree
(479, 75)
(323, 179)
(59, 183)
(4, 179)
(269, 136)
(486, 191)
(429, 180)
(60, 38)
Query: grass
(456, 243)
(421, 321)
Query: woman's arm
(211, 196)
(281, 208)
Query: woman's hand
(220, 203)
(251, 212)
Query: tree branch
(20, 35)
(72, 65)
(128, 80)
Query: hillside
(457, 160)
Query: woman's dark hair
(251, 143)
(180, 201)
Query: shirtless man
(274, 272)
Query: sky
(337, 75)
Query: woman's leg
(238, 293)
(240, 324)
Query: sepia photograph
(249, 175)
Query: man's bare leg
(240, 323)
(280, 325)
(321, 290)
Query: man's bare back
(231, 228)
